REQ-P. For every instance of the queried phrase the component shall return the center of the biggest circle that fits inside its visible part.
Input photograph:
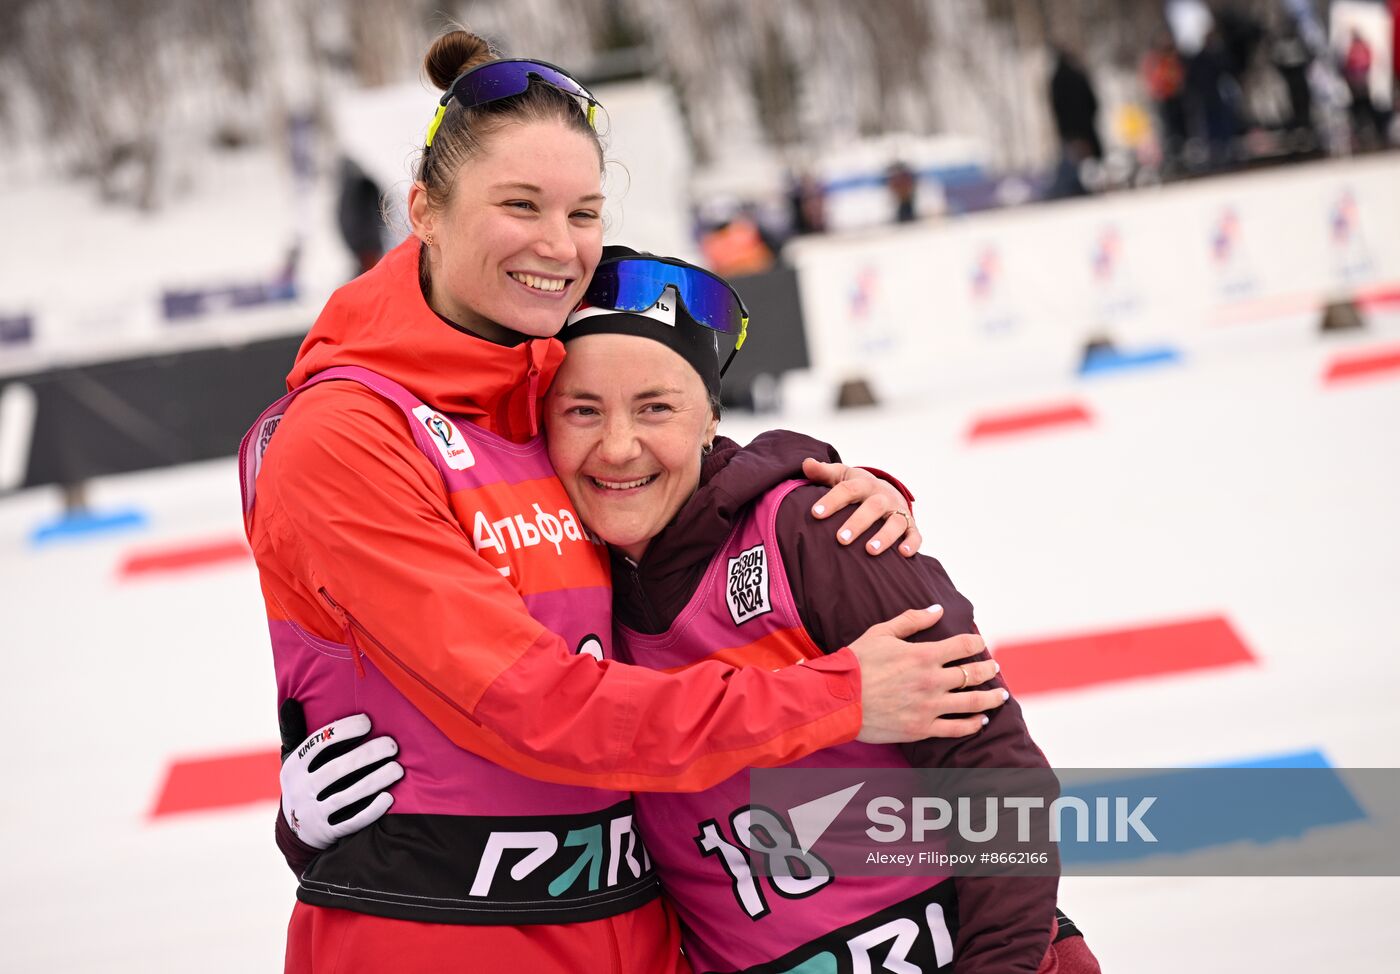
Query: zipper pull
(349, 630)
(534, 389)
(355, 653)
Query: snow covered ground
(92, 276)
(1243, 486)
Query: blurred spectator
(1132, 126)
(1164, 78)
(359, 216)
(1366, 128)
(1212, 99)
(1395, 48)
(904, 187)
(1240, 37)
(1074, 104)
(737, 247)
(1076, 110)
(1292, 58)
(807, 200)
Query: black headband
(698, 345)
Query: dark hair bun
(453, 53)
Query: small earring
(706, 449)
(428, 239)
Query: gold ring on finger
(964, 683)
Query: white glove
(305, 804)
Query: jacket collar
(732, 478)
(380, 321)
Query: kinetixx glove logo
(317, 738)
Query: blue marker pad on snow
(1260, 800)
(1100, 360)
(86, 524)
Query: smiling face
(518, 238)
(627, 418)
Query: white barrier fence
(1016, 294)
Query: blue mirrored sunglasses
(636, 283)
(502, 79)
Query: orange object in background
(736, 248)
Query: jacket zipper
(640, 595)
(352, 626)
(534, 388)
(615, 942)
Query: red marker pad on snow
(184, 557)
(1029, 420)
(1111, 656)
(1385, 296)
(204, 784)
(1366, 364)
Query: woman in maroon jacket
(715, 545)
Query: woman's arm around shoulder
(356, 542)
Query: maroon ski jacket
(1005, 924)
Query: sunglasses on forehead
(636, 283)
(503, 79)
